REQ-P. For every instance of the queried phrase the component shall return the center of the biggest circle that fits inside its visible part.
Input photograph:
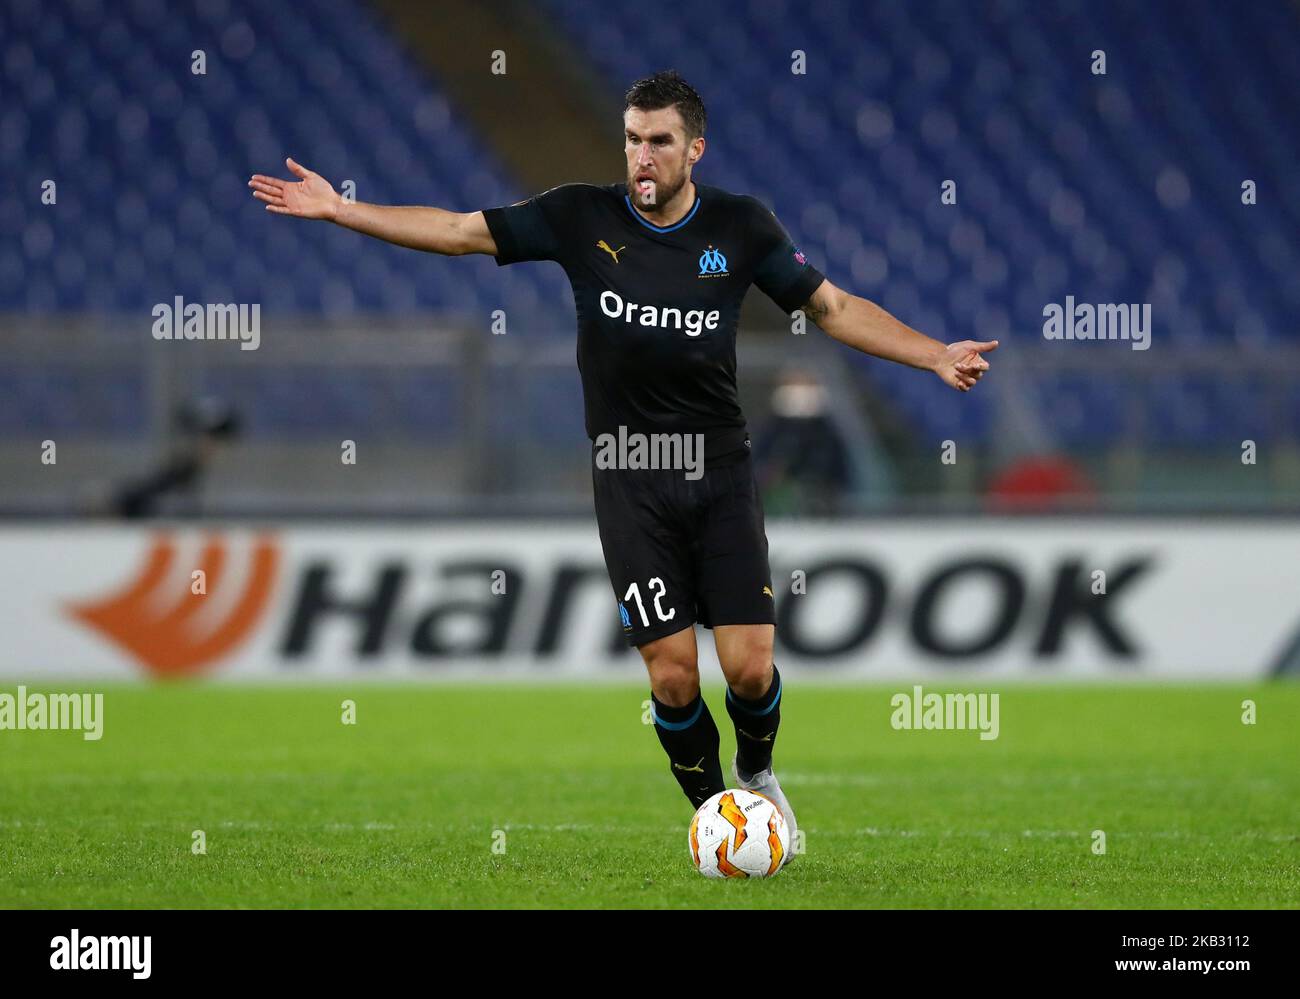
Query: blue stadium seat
(1117, 188)
(1075, 185)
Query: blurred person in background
(801, 457)
(203, 428)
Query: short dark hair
(667, 89)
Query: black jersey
(658, 306)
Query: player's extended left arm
(865, 326)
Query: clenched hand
(961, 365)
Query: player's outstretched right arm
(434, 230)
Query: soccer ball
(739, 834)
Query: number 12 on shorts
(634, 593)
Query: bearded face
(658, 156)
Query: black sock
(690, 738)
(756, 724)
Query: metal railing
(513, 442)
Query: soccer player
(659, 267)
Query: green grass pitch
(403, 808)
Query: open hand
(311, 198)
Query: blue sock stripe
(678, 726)
(757, 714)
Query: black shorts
(681, 551)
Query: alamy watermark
(683, 452)
(25, 711)
(215, 321)
(1107, 321)
(919, 710)
(102, 953)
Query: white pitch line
(868, 832)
